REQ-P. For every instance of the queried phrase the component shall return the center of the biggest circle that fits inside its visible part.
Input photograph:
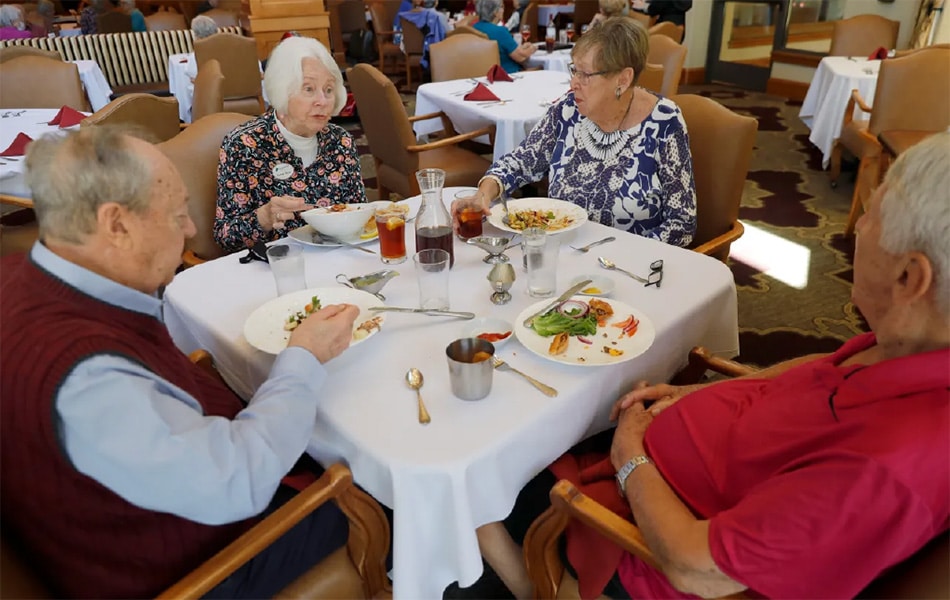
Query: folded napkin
(879, 54)
(481, 92)
(496, 73)
(67, 117)
(18, 147)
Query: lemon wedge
(591, 290)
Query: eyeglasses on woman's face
(583, 77)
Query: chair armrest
(721, 241)
(856, 96)
(335, 481)
(568, 499)
(16, 201)
(190, 259)
(455, 139)
(434, 115)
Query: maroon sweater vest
(90, 542)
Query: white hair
(284, 74)
(202, 27)
(11, 15)
(915, 209)
(486, 9)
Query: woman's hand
(662, 395)
(280, 209)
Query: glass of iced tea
(391, 225)
(470, 214)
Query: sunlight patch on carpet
(775, 256)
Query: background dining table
(827, 98)
(551, 61)
(526, 98)
(465, 468)
(32, 122)
(95, 83)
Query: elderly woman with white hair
(512, 54)
(202, 27)
(12, 23)
(291, 158)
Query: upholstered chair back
(241, 68)
(863, 34)
(149, 113)
(208, 99)
(40, 82)
(462, 56)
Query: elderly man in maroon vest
(124, 466)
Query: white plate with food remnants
(554, 215)
(586, 331)
(600, 285)
(490, 329)
(307, 235)
(270, 325)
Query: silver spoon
(415, 381)
(592, 244)
(612, 267)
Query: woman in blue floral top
(291, 158)
(619, 151)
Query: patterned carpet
(793, 266)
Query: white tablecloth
(32, 122)
(827, 97)
(94, 82)
(513, 120)
(555, 61)
(182, 70)
(465, 469)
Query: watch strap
(629, 467)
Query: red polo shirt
(813, 482)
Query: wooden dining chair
(584, 11)
(674, 32)
(642, 18)
(911, 94)
(40, 82)
(530, 17)
(467, 29)
(861, 35)
(18, 231)
(462, 56)
(357, 570)
(670, 57)
(721, 143)
(165, 21)
(195, 153)
(413, 42)
(146, 112)
(383, 14)
(926, 574)
(208, 98)
(393, 144)
(11, 52)
(113, 21)
(241, 67)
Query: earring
(618, 92)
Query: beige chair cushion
(208, 99)
(462, 56)
(863, 34)
(40, 82)
(241, 68)
(152, 114)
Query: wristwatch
(628, 468)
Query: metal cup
(470, 377)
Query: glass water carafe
(433, 223)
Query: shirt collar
(94, 285)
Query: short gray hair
(915, 210)
(486, 9)
(284, 74)
(10, 14)
(202, 27)
(72, 175)
(615, 44)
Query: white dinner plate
(264, 329)
(307, 235)
(561, 208)
(590, 355)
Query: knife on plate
(570, 292)
(424, 311)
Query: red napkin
(496, 73)
(18, 147)
(593, 556)
(182, 60)
(879, 54)
(481, 92)
(67, 117)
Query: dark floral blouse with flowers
(256, 164)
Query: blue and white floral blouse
(256, 164)
(639, 180)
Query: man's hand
(628, 438)
(327, 332)
(662, 395)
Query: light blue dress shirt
(147, 439)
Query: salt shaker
(501, 277)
